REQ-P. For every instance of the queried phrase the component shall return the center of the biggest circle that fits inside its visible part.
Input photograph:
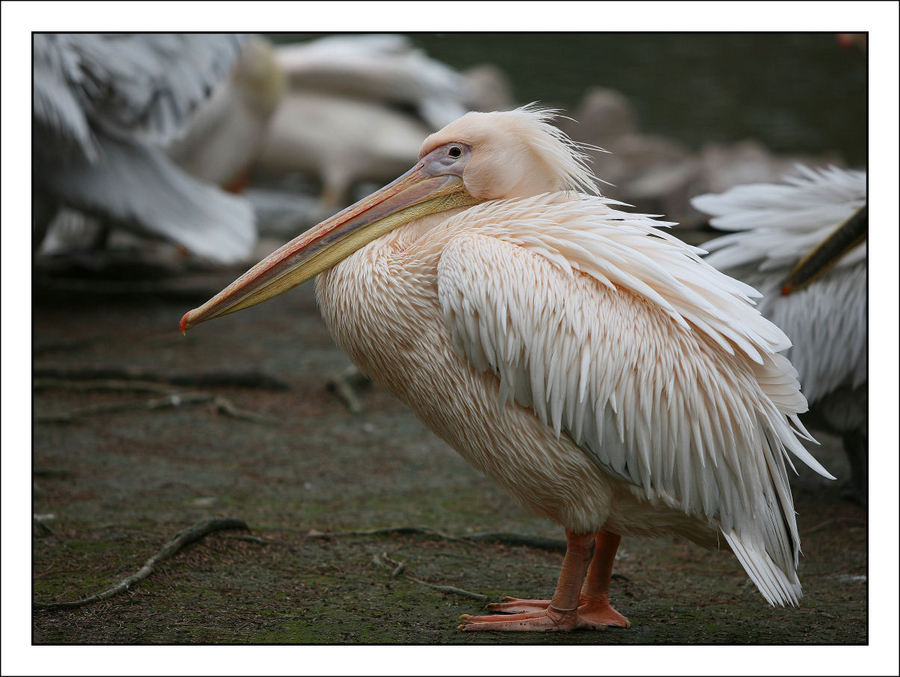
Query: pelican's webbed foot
(593, 611)
(569, 608)
(547, 620)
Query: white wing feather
(137, 187)
(103, 104)
(653, 362)
(775, 226)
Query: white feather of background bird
(104, 106)
(382, 68)
(224, 136)
(339, 140)
(774, 226)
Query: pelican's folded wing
(658, 403)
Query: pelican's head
(516, 153)
(479, 157)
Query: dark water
(795, 92)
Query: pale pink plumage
(585, 359)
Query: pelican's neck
(366, 266)
(410, 233)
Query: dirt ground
(114, 485)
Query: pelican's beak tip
(185, 323)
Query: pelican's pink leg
(561, 613)
(594, 609)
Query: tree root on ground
(181, 539)
(345, 386)
(172, 400)
(397, 569)
(101, 385)
(239, 379)
(538, 542)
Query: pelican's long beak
(850, 234)
(411, 196)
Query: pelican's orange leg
(594, 609)
(561, 612)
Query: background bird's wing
(826, 322)
(59, 119)
(135, 85)
(774, 226)
(136, 186)
(380, 68)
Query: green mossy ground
(121, 485)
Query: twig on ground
(39, 529)
(181, 539)
(345, 394)
(226, 407)
(251, 539)
(537, 542)
(101, 385)
(172, 400)
(419, 531)
(345, 385)
(241, 379)
(397, 568)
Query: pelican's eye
(449, 158)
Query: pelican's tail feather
(774, 583)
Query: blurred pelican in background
(358, 107)
(105, 107)
(224, 136)
(802, 243)
(386, 69)
(588, 361)
(340, 141)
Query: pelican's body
(772, 227)
(586, 360)
(417, 308)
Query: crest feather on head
(538, 156)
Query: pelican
(357, 109)
(587, 360)
(380, 69)
(225, 134)
(776, 228)
(340, 140)
(104, 107)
